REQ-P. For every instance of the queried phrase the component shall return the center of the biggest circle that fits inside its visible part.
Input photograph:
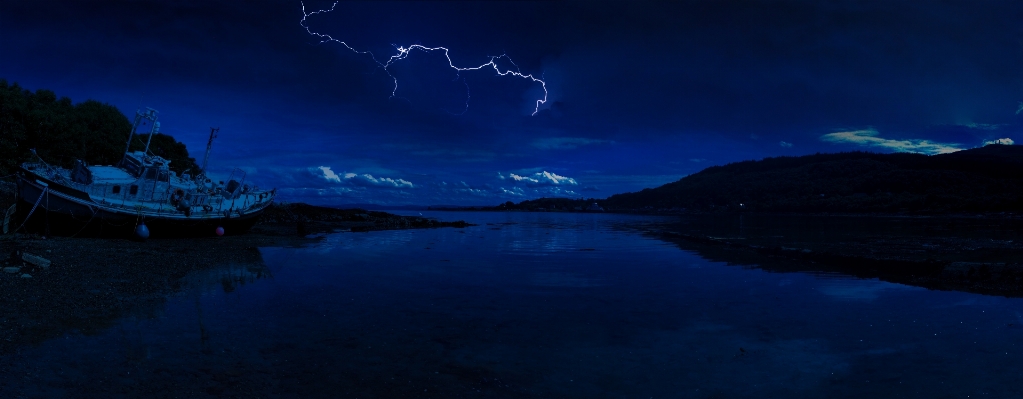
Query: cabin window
(151, 173)
(164, 176)
(134, 190)
(116, 190)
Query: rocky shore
(980, 254)
(56, 285)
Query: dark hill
(987, 179)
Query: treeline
(549, 204)
(61, 131)
(987, 179)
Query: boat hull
(53, 209)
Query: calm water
(532, 305)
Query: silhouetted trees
(548, 204)
(61, 131)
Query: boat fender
(142, 231)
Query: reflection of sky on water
(553, 305)
(556, 279)
(859, 290)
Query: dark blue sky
(639, 94)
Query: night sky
(638, 94)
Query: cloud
(516, 191)
(543, 178)
(869, 138)
(785, 144)
(984, 126)
(565, 143)
(329, 174)
(541, 184)
(364, 179)
(1003, 141)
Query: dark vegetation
(987, 179)
(304, 219)
(61, 132)
(535, 205)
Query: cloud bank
(539, 184)
(1003, 141)
(544, 178)
(870, 138)
(364, 179)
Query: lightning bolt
(403, 52)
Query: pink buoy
(220, 231)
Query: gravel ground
(90, 283)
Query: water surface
(533, 305)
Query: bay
(532, 305)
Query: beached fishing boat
(138, 196)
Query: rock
(36, 260)
(26, 275)
(12, 269)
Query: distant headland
(988, 179)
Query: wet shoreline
(972, 254)
(522, 305)
(90, 283)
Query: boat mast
(153, 131)
(134, 126)
(150, 114)
(209, 145)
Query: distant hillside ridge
(986, 179)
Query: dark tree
(62, 132)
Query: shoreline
(88, 284)
(976, 253)
(910, 215)
(91, 283)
